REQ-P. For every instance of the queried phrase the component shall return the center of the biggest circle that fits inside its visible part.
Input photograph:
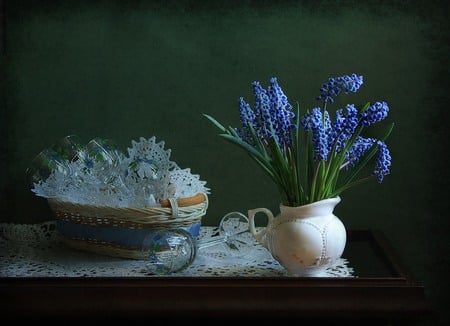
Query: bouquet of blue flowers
(313, 155)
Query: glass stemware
(68, 147)
(101, 158)
(102, 152)
(43, 165)
(55, 158)
(174, 249)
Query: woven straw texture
(172, 213)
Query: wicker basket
(119, 231)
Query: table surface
(378, 287)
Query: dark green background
(129, 69)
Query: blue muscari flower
(383, 162)
(361, 146)
(247, 117)
(271, 116)
(343, 127)
(328, 127)
(246, 113)
(281, 114)
(374, 113)
(358, 149)
(337, 85)
(313, 122)
(262, 111)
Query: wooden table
(383, 292)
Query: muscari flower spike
(337, 85)
(313, 122)
(343, 127)
(383, 162)
(374, 113)
(271, 117)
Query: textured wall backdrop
(123, 70)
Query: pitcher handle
(259, 235)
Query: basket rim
(132, 217)
(194, 200)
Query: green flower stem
(295, 163)
(281, 162)
(351, 184)
(335, 164)
(309, 164)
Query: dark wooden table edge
(399, 298)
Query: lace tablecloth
(36, 250)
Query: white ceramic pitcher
(306, 239)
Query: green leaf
(215, 122)
(264, 162)
(250, 149)
(260, 146)
(388, 132)
(365, 107)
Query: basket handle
(184, 202)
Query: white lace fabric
(105, 177)
(36, 250)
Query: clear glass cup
(43, 165)
(68, 147)
(172, 250)
(102, 158)
(101, 151)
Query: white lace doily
(36, 250)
